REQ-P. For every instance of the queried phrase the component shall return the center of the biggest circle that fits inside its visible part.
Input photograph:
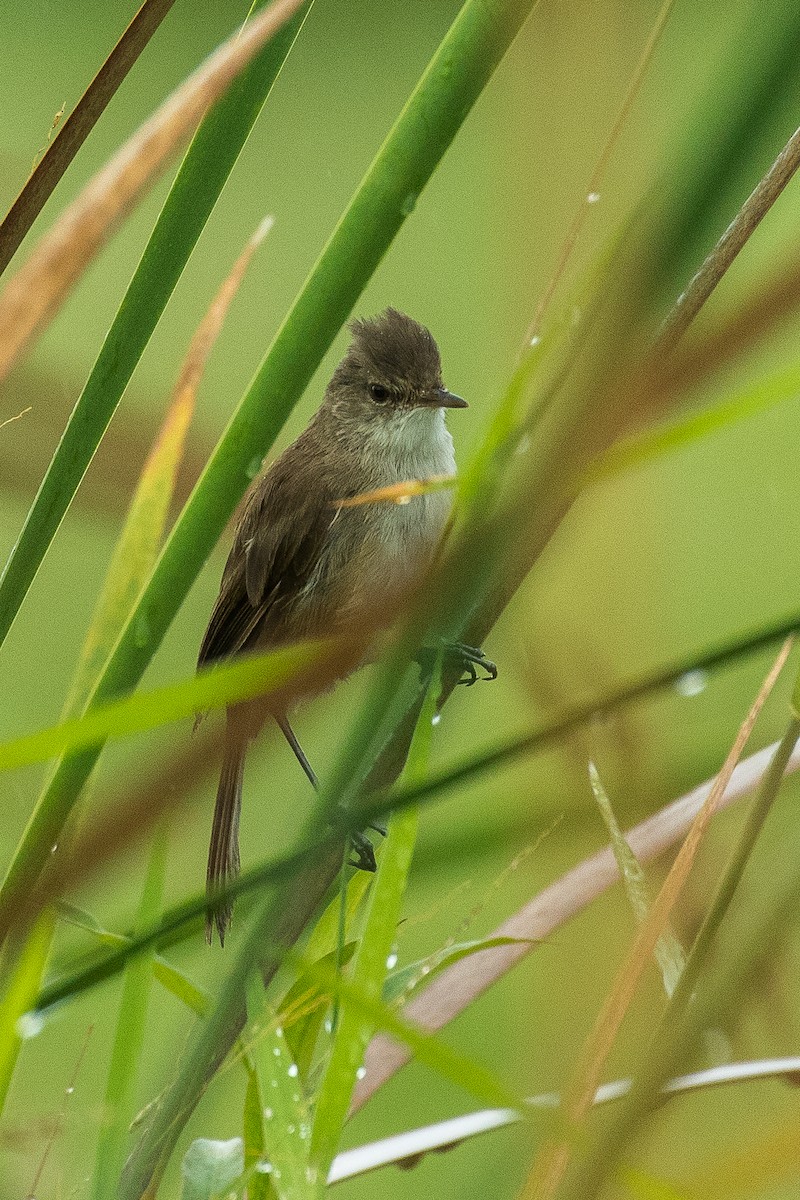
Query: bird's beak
(444, 399)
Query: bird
(301, 565)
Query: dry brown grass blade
(744, 224)
(397, 493)
(38, 289)
(552, 1162)
(451, 992)
(77, 127)
(208, 330)
(751, 323)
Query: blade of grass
(194, 192)
(22, 970)
(286, 1126)
(216, 687)
(170, 977)
(73, 133)
(38, 289)
(653, 443)
(551, 1163)
(668, 951)
(120, 1107)
(403, 1148)
(352, 1033)
(138, 545)
(747, 220)
(453, 81)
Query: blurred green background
(671, 556)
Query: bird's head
(391, 369)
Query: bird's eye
(379, 393)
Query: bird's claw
(364, 852)
(469, 659)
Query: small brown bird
(300, 566)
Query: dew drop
(328, 1025)
(535, 340)
(436, 718)
(361, 1072)
(409, 204)
(305, 1131)
(311, 1174)
(253, 467)
(293, 1072)
(403, 500)
(29, 1025)
(268, 1114)
(70, 1090)
(391, 961)
(524, 444)
(692, 683)
(54, 847)
(263, 1167)
(593, 198)
(276, 1050)
(290, 1129)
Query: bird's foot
(364, 853)
(470, 660)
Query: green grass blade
(370, 965)
(354, 1028)
(119, 1106)
(668, 952)
(183, 988)
(401, 985)
(197, 186)
(22, 971)
(286, 1125)
(210, 689)
(633, 452)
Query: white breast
(403, 537)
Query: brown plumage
(300, 566)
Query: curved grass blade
(197, 186)
(406, 1149)
(73, 133)
(173, 980)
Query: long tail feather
(223, 852)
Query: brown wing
(277, 543)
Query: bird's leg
(362, 846)
(459, 657)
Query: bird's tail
(223, 851)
